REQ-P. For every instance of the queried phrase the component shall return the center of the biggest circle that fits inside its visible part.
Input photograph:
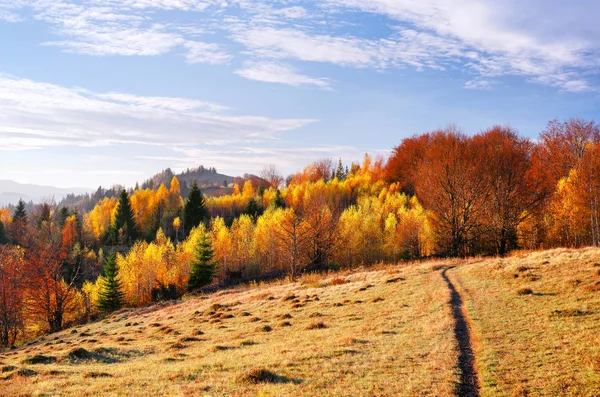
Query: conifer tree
(195, 210)
(203, 266)
(278, 201)
(253, 209)
(124, 221)
(340, 174)
(20, 212)
(110, 296)
(63, 214)
(3, 238)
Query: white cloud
(491, 33)
(36, 115)
(478, 85)
(279, 73)
(490, 38)
(205, 53)
(242, 159)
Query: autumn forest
(440, 194)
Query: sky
(104, 92)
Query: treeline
(442, 193)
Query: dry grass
(534, 317)
(543, 340)
(385, 332)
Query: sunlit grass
(536, 322)
(384, 332)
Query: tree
(44, 213)
(18, 227)
(50, 293)
(278, 201)
(3, 238)
(63, 214)
(195, 210)
(515, 193)
(253, 209)
(340, 173)
(203, 267)
(20, 212)
(293, 234)
(111, 296)
(124, 228)
(176, 226)
(450, 184)
(11, 294)
(271, 175)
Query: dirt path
(469, 386)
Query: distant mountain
(11, 192)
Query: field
(526, 325)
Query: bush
(525, 291)
(39, 359)
(316, 325)
(259, 376)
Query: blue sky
(101, 92)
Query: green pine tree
(63, 214)
(195, 210)
(253, 209)
(111, 295)
(340, 174)
(278, 201)
(3, 238)
(203, 266)
(20, 212)
(124, 225)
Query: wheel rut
(469, 384)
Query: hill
(11, 192)
(201, 175)
(518, 326)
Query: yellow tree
(222, 245)
(98, 221)
(293, 233)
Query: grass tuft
(260, 376)
(40, 359)
(524, 291)
(317, 325)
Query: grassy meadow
(388, 331)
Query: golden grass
(385, 332)
(543, 343)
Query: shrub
(259, 376)
(316, 325)
(79, 354)
(525, 291)
(40, 359)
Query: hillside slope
(526, 325)
(367, 333)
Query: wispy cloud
(242, 159)
(478, 84)
(499, 38)
(485, 39)
(271, 72)
(199, 52)
(36, 115)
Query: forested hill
(204, 177)
(211, 182)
